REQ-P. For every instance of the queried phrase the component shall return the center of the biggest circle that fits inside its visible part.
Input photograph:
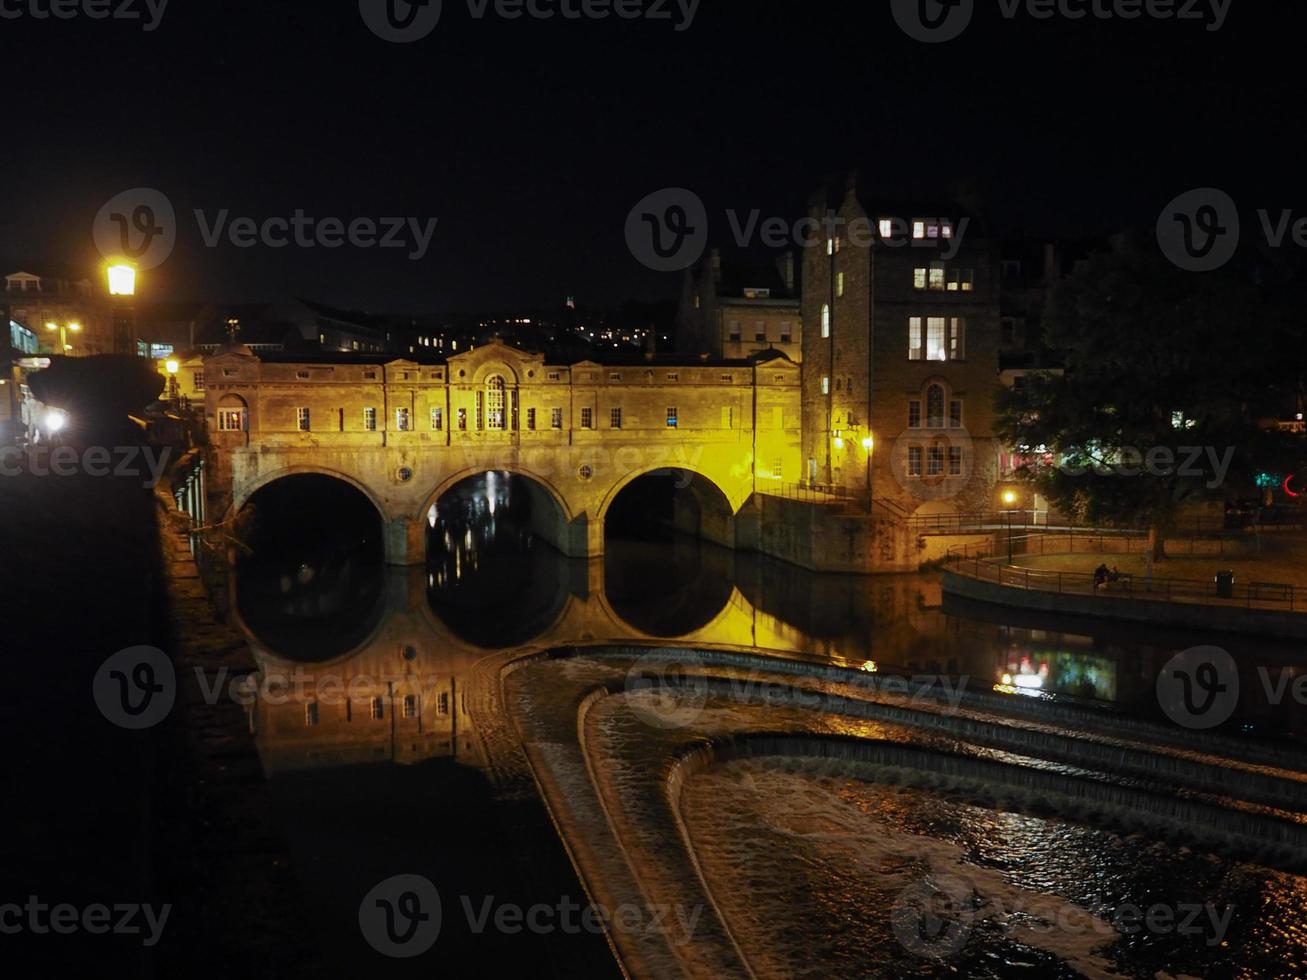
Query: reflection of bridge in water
(403, 694)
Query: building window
(553, 376)
(403, 420)
(614, 376)
(825, 319)
(231, 420)
(839, 284)
(556, 418)
(495, 402)
(410, 705)
(462, 419)
(672, 419)
(962, 280)
(778, 468)
(311, 714)
(615, 418)
(370, 419)
(957, 339)
(914, 414)
(378, 708)
(437, 419)
(955, 414)
(914, 461)
(481, 410)
(955, 461)
(733, 331)
(787, 333)
(530, 418)
(934, 407)
(587, 418)
(442, 703)
(303, 420)
(935, 461)
(369, 375)
(197, 380)
(825, 385)
(916, 349)
(673, 375)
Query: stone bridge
(404, 432)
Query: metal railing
(1254, 595)
(1023, 519)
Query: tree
(1167, 374)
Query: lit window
(462, 419)
(760, 332)
(839, 284)
(830, 246)
(403, 421)
(935, 350)
(442, 703)
(914, 461)
(587, 418)
(197, 380)
(671, 417)
(556, 418)
(437, 419)
(495, 402)
(916, 350)
(918, 229)
(410, 705)
(370, 419)
(886, 227)
(825, 320)
(937, 277)
(957, 339)
(825, 385)
(919, 278)
(935, 461)
(778, 468)
(231, 420)
(615, 418)
(303, 421)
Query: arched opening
(492, 577)
(668, 558)
(310, 572)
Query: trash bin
(1225, 584)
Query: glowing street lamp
(122, 280)
(122, 292)
(173, 366)
(1010, 499)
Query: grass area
(1281, 562)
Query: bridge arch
(246, 491)
(553, 519)
(713, 516)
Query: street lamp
(869, 444)
(173, 366)
(64, 329)
(122, 292)
(1009, 501)
(122, 280)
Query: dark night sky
(531, 140)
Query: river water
(807, 855)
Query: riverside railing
(1251, 595)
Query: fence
(1260, 595)
(1022, 519)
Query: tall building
(736, 309)
(901, 352)
(40, 293)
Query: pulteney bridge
(404, 432)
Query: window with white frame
(370, 420)
(914, 461)
(587, 418)
(914, 414)
(556, 418)
(955, 461)
(614, 418)
(935, 461)
(825, 319)
(231, 420)
(303, 420)
(403, 420)
(437, 419)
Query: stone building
(901, 353)
(38, 294)
(736, 309)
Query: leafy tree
(1157, 360)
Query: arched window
(495, 402)
(825, 320)
(935, 407)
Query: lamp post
(869, 444)
(173, 366)
(64, 330)
(1009, 501)
(122, 290)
